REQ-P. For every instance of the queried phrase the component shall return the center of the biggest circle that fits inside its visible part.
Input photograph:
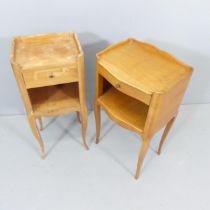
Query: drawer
(123, 87)
(47, 77)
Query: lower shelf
(125, 110)
(55, 100)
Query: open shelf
(54, 100)
(124, 109)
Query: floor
(102, 178)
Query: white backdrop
(181, 27)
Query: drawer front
(47, 77)
(125, 88)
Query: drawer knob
(117, 86)
(51, 76)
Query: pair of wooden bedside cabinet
(139, 86)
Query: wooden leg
(40, 123)
(78, 117)
(97, 112)
(32, 122)
(142, 153)
(84, 126)
(165, 133)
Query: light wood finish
(55, 100)
(35, 131)
(49, 69)
(46, 50)
(132, 115)
(55, 76)
(82, 98)
(123, 87)
(40, 123)
(97, 120)
(78, 118)
(165, 133)
(129, 62)
(142, 153)
(140, 87)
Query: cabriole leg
(40, 123)
(142, 153)
(78, 117)
(32, 122)
(165, 133)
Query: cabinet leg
(40, 123)
(142, 153)
(97, 113)
(84, 127)
(165, 133)
(32, 122)
(78, 117)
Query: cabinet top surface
(143, 66)
(29, 52)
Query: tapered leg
(84, 126)
(78, 117)
(32, 122)
(83, 112)
(97, 112)
(40, 123)
(142, 153)
(165, 133)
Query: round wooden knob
(117, 86)
(51, 76)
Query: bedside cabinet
(49, 70)
(140, 87)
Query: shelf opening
(127, 111)
(54, 99)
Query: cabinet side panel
(22, 88)
(169, 103)
(164, 107)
